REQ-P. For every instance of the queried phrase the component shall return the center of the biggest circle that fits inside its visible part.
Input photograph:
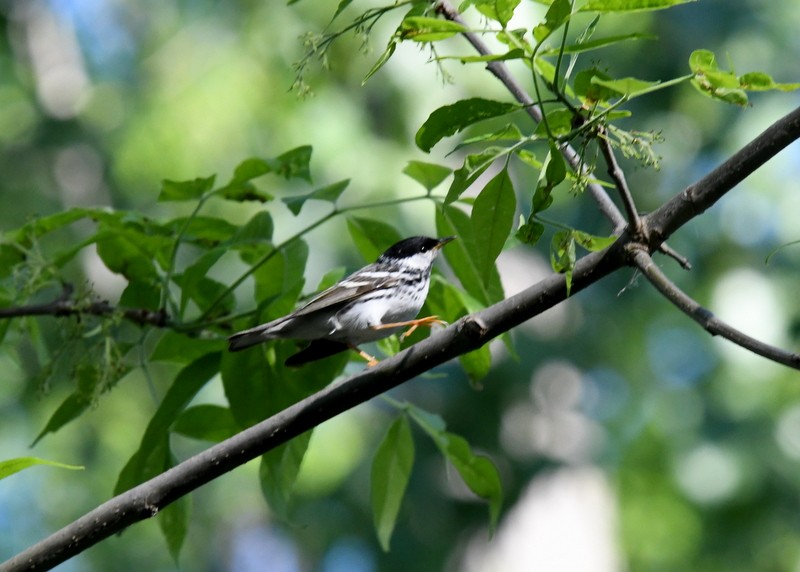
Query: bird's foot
(371, 360)
(413, 325)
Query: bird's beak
(443, 241)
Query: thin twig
(664, 248)
(705, 318)
(501, 72)
(618, 177)
(65, 305)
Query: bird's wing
(368, 279)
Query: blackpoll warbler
(373, 303)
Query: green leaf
(328, 193)
(294, 164)
(425, 29)
(70, 409)
(252, 168)
(245, 191)
(478, 471)
(141, 295)
(562, 255)
(473, 167)
(605, 6)
(759, 81)
(499, 10)
(451, 119)
(205, 231)
(557, 14)
(181, 348)
(340, 8)
(591, 242)
(153, 453)
(244, 378)
(530, 232)
(391, 469)
(185, 190)
(372, 237)
(459, 255)
(559, 122)
(628, 86)
(582, 47)
(10, 256)
(509, 132)
(11, 466)
(173, 520)
(513, 54)
(123, 253)
(385, 56)
(206, 422)
(278, 472)
(258, 230)
(280, 280)
(194, 275)
(476, 364)
(429, 175)
(492, 220)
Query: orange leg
(414, 324)
(371, 360)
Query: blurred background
(626, 437)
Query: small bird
(370, 304)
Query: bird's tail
(254, 336)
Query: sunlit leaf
(499, 10)
(592, 242)
(11, 466)
(451, 119)
(425, 29)
(391, 469)
(557, 14)
(629, 5)
(626, 86)
(514, 54)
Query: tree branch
(65, 305)
(618, 177)
(705, 318)
(469, 333)
(501, 72)
(696, 198)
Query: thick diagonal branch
(705, 318)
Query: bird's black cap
(414, 245)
